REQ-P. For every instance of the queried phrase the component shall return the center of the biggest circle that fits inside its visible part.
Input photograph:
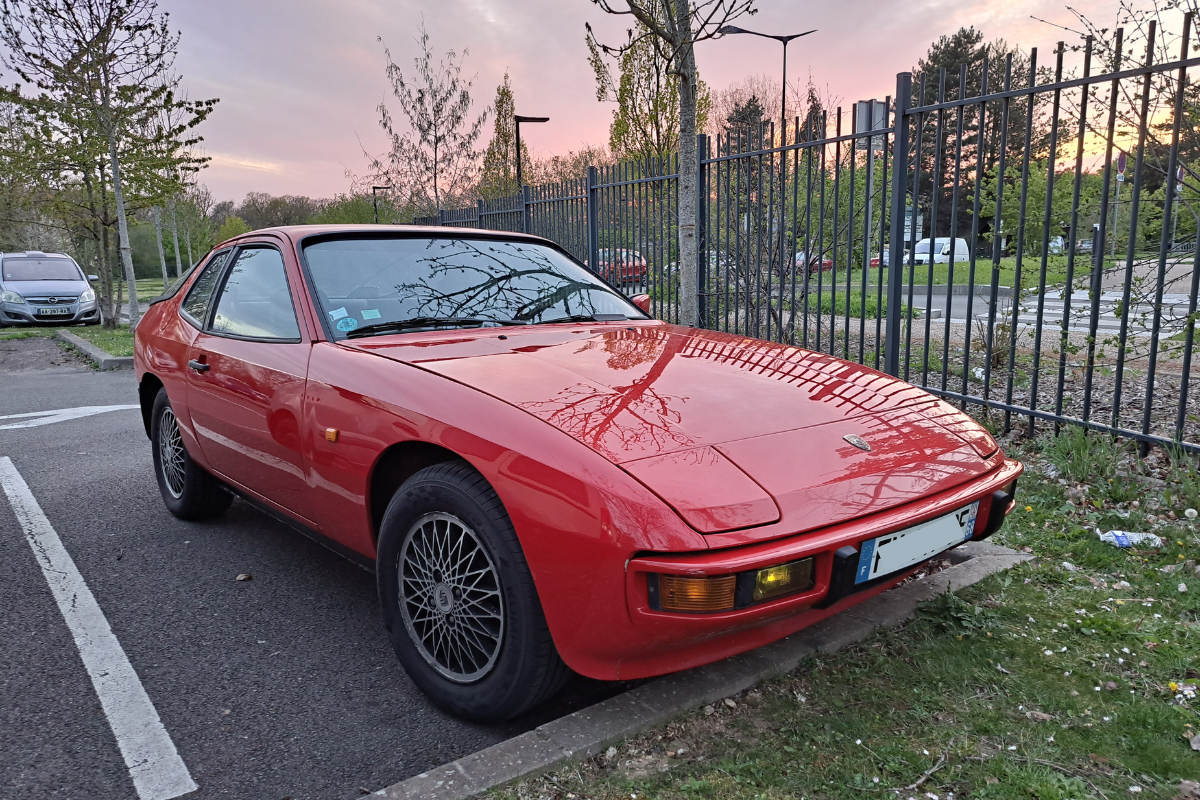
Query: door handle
(199, 366)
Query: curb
(589, 731)
(101, 359)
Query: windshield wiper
(425, 322)
(583, 318)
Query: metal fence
(1037, 256)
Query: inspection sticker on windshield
(348, 324)
(338, 313)
(370, 313)
(895, 551)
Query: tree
(261, 210)
(645, 122)
(499, 178)
(101, 70)
(675, 26)
(231, 227)
(434, 160)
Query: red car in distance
(621, 267)
(542, 477)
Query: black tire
(505, 662)
(187, 490)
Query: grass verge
(115, 341)
(1064, 678)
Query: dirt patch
(24, 355)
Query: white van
(941, 251)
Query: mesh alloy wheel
(170, 452)
(450, 597)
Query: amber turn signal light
(677, 593)
(783, 579)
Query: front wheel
(458, 598)
(187, 490)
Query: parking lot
(281, 686)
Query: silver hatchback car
(37, 287)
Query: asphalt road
(284, 686)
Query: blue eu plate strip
(864, 561)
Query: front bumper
(26, 314)
(670, 641)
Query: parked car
(802, 259)
(37, 287)
(621, 267)
(542, 477)
(941, 251)
(887, 258)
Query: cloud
(237, 162)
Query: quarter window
(198, 300)
(255, 301)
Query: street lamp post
(727, 29)
(375, 200)
(519, 119)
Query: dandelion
(1029, 508)
(1173, 686)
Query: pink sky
(300, 80)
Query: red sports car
(541, 476)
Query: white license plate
(54, 312)
(895, 551)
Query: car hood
(40, 288)
(732, 432)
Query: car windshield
(373, 282)
(26, 268)
(923, 246)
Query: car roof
(295, 233)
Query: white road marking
(33, 419)
(157, 770)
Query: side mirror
(93, 278)
(642, 301)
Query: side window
(197, 302)
(255, 301)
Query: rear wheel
(458, 599)
(187, 490)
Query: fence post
(526, 206)
(593, 219)
(891, 353)
(441, 216)
(479, 214)
(702, 229)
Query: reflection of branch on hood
(496, 283)
(626, 418)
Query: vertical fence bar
(935, 193)
(1098, 244)
(526, 211)
(1017, 292)
(702, 170)
(997, 225)
(884, 227)
(891, 359)
(853, 150)
(593, 219)
(1051, 160)
(916, 205)
(1165, 242)
(1134, 204)
(933, 254)
(837, 236)
(1072, 236)
(973, 247)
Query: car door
(246, 373)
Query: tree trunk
(689, 296)
(187, 238)
(175, 239)
(122, 227)
(162, 257)
(99, 233)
